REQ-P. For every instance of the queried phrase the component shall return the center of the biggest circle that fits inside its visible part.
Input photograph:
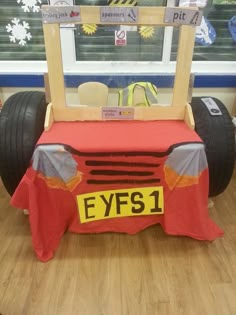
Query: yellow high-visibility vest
(150, 94)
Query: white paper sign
(116, 113)
(193, 3)
(120, 38)
(60, 14)
(211, 105)
(63, 3)
(119, 14)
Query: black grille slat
(120, 163)
(120, 173)
(123, 181)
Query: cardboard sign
(119, 14)
(117, 113)
(183, 16)
(60, 14)
(120, 38)
(120, 203)
(63, 3)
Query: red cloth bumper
(73, 159)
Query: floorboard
(115, 274)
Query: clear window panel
(103, 49)
(135, 93)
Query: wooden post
(190, 87)
(183, 66)
(49, 119)
(47, 88)
(54, 61)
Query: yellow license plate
(120, 203)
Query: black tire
(217, 132)
(21, 124)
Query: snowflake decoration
(30, 4)
(18, 32)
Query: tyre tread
(21, 124)
(217, 132)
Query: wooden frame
(178, 110)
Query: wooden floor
(115, 274)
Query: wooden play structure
(179, 109)
(23, 117)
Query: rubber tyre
(217, 132)
(21, 124)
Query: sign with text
(117, 113)
(211, 105)
(60, 14)
(120, 38)
(63, 3)
(119, 203)
(183, 16)
(119, 14)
